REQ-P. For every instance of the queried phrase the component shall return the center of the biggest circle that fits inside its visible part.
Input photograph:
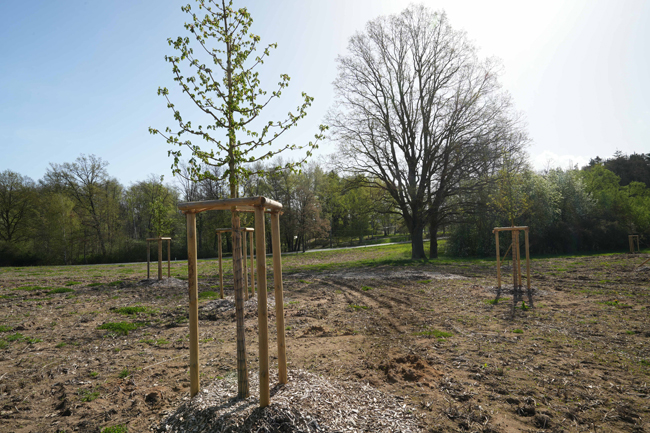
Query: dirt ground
(578, 361)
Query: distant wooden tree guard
(169, 256)
(250, 236)
(516, 265)
(631, 239)
(259, 205)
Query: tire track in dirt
(388, 307)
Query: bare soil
(426, 334)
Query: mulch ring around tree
(307, 403)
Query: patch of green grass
(121, 328)
(645, 362)
(517, 331)
(72, 283)
(32, 288)
(424, 281)
(440, 335)
(356, 307)
(613, 303)
(162, 341)
(366, 288)
(34, 340)
(120, 428)
(5, 328)
(495, 301)
(124, 373)
(94, 284)
(16, 337)
(115, 283)
(338, 292)
(88, 395)
(290, 303)
(93, 374)
(209, 294)
(60, 290)
(3, 344)
(61, 344)
(131, 310)
(304, 281)
(630, 332)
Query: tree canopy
(419, 115)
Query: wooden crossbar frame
(250, 232)
(631, 239)
(516, 264)
(159, 239)
(259, 205)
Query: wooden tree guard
(631, 239)
(259, 205)
(516, 265)
(244, 230)
(169, 256)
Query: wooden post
(159, 259)
(169, 258)
(220, 268)
(518, 262)
(262, 312)
(250, 234)
(496, 238)
(529, 290)
(514, 274)
(245, 262)
(242, 368)
(279, 296)
(631, 243)
(148, 258)
(193, 284)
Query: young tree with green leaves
(221, 61)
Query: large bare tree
(419, 115)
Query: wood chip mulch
(308, 403)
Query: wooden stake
(148, 259)
(159, 259)
(245, 262)
(496, 238)
(169, 258)
(514, 274)
(279, 296)
(530, 292)
(250, 238)
(242, 369)
(193, 285)
(518, 262)
(643, 263)
(220, 268)
(262, 312)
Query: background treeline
(78, 213)
(575, 210)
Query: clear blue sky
(81, 76)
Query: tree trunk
(433, 240)
(242, 370)
(417, 243)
